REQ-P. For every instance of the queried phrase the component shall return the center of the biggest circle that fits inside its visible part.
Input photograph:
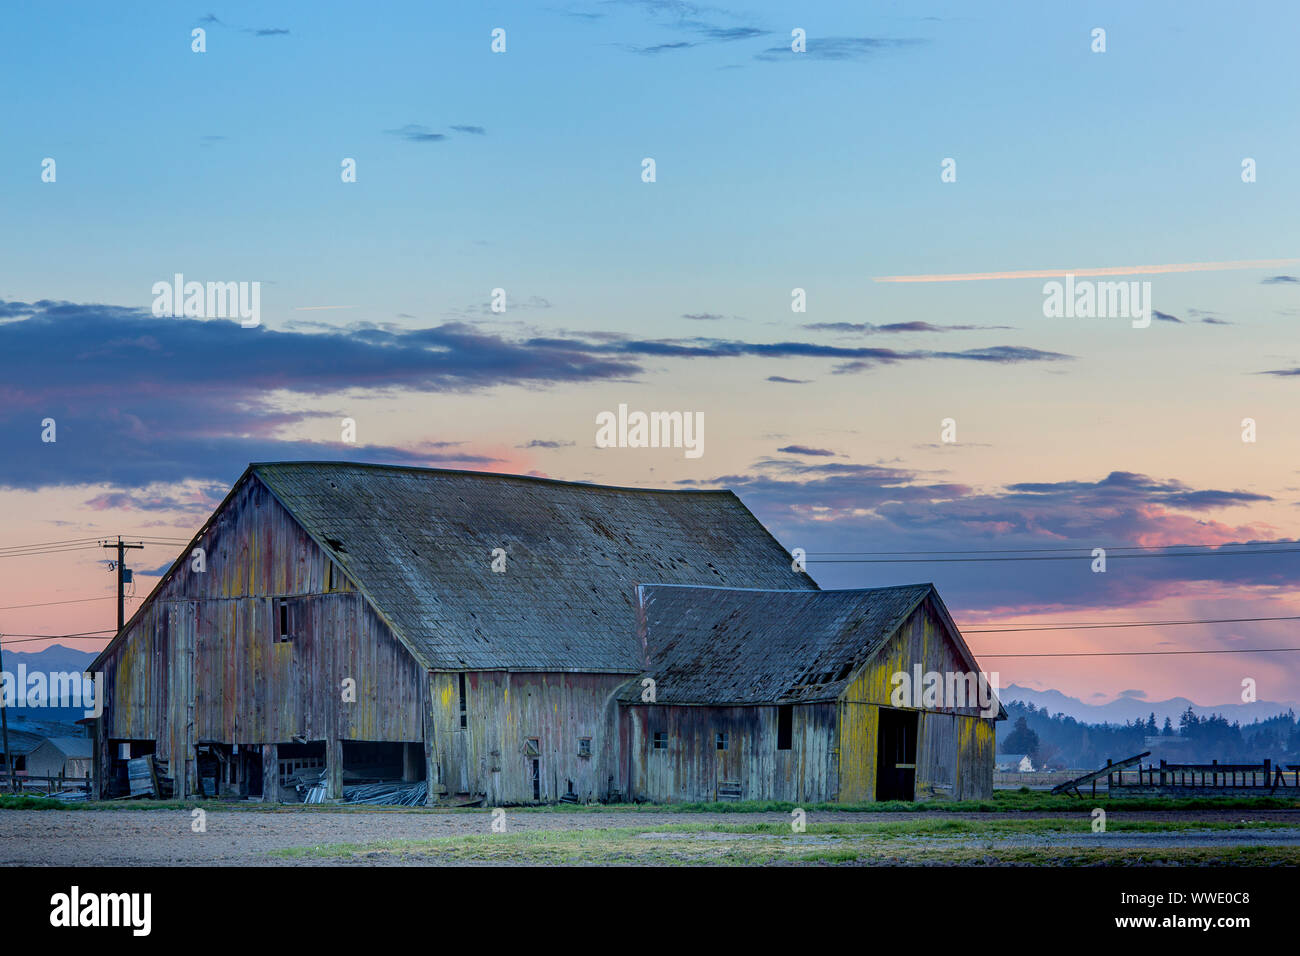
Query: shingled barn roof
(707, 645)
(418, 542)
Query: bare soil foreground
(295, 836)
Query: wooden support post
(430, 745)
(430, 772)
(334, 769)
(270, 773)
(100, 765)
(410, 762)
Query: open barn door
(896, 762)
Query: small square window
(533, 746)
(584, 746)
(723, 740)
(660, 740)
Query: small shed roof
(707, 645)
(72, 746)
(21, 742)
(418, 542)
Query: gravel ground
(244, 837)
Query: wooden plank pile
(145, 778)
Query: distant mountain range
(54, 659)
(1127, 709)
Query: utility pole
(4, 728)
(121, 577)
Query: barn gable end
(953, 746)
(204, 660)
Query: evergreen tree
(1021, 740)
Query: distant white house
(70, 756)
(1013, 763)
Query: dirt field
(303, 836)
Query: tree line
(1060, 741)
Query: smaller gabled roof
(707, 645)
(71, 746)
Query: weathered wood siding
(692, 768)
(954, 757)
(954, 752)
(503, 710)
(203, 663)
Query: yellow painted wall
(954, 748)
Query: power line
(14, 607)
(84, 542)
(42, 544)
(1244, 650)
(1054, 557)
(1089, 626)
(1106, 548)
(28, 554)
(31, 638)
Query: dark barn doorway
(896, 763)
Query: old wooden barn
(493, 635)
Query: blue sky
(775, 170)
(811, 172)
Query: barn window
(464, 712)
(584, 746)
(723, 739)
(660, 740)
(532, 747)
(285, 619)
(332, 584)
(784, 726)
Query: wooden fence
(1209, 776)
(44, 786)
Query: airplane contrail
(1102, 271)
